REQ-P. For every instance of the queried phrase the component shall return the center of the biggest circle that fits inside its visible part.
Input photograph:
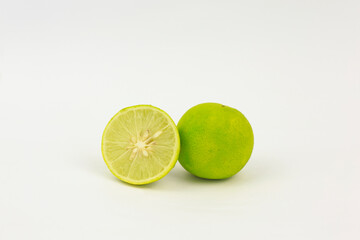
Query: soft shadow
(257, 170)
(183, 175)
(153, 185)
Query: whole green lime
(216, 141)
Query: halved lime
(140, 144)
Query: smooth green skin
(216, 141)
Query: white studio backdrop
(292, 67)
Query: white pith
(142, 144)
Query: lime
(216, 141)
(140, 144)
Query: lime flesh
(140, 144)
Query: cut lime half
(140, 144)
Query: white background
(292, 67)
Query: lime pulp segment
(140, 144)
